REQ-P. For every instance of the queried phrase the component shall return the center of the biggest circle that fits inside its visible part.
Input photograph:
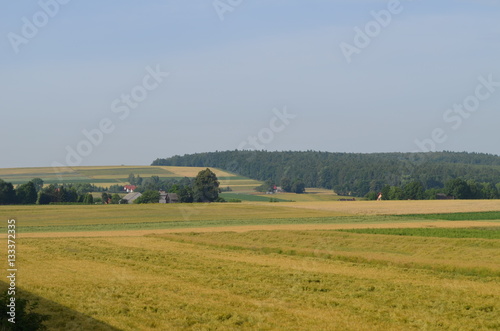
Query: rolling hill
(105, 176)
(349, 173)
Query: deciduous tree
(206, 186)
(7, 193)
(26, 194)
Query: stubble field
(284, 266)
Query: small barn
(168, 197)
(132, 196)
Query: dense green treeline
(350, 173)
(453, 189)
(34, 192)
(203, 188)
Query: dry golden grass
(400, 207)
(117, 217)
(160, 171)
(263, 227)
(239, 182)
(57, 215)
(108, 184)
(193, 171)
(25, 171)
(274, 280)
(265, 277)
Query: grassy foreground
(372, 279)
(284, 280)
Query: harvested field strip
(205, 223)
(247, 228)
(484, 233)
(77, 215)
(112, 174)
(479, 257)
(490, 215)
(414, 207)
(198, 281)
(250, 197)
(124, 172)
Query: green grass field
(485, 233)
(491, 215)
(311, 194)
(251, 197)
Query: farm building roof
(132, 196)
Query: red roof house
(129, 188)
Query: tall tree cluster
(34, 192)
(203, 188)
(455, 188)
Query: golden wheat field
(402, 207)
(272, 280)
(260, 266)
(268, 227)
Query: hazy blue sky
(227, 76)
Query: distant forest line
(354, 174)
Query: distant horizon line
(243, 150)
(322, 151)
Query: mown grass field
(120, 215)
(403, 265)
(252, 197)
(311, 194)
(266, 280)
(476, 232)
(402, 207)
(160, 216)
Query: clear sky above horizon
(85, 83)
